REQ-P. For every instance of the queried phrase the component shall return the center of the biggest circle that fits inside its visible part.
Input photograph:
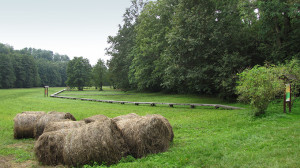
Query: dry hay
(94, 142)
(145, 135)
(49, 147)
(167, 123)
(95, 118)
(64, 124)
(5, 161)
(51, 116)
(24, 123)
(124, 117)
(99, 142)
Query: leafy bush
(261, 84)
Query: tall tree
(147, 67)
(279, 29)
(62, 70)
(7, 72)
(51, 67)
(79, 72)
(26, 71)
(204, 48)
(198, 46)
(31, 71)
(122, 44)
(31, 67)
(7, 76)
(99, 74)
(49, 73)
(19, 71)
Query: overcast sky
(71, 27)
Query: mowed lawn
(204, 136)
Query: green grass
(109, 94)
(204, 137)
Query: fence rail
(192, 105)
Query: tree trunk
(101, 84)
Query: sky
(67, 27)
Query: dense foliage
(261, 84)
(31, 67)
(122, 45)
(100, 75)
(192, 46)
(79, 73)
(52, 67)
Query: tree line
(31, 67)
(199, 46)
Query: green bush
(261, 84)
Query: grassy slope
(204, 137)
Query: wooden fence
(192, 105)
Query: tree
(122, 44)
(31, 67)
(26, 70)
(79, 72)
(51, 67)
(19, 71)
(147, 67)
(7, 76)
(205, 36)
(60, 58)
(62, 70)
(7, 72)
(99, 74)
(49, 72)
(199, 46)
(279, 29)
(31, 71)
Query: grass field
(204, 136)
(109, 94)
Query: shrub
(261, 84)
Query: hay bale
(48, 148)
(167, 123)
(94, 142)
(24, 123)
(51, 116)
(64, 124)
(145, 135)
(124, 117)
(95, 118)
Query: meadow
(204, 136)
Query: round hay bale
(145, 135)
(48, 148)
(99, 142)
(51, 116)
(24, 123)
(124, 117)
(167, 123)
(64, 124)
(63, 115)
(95, 118)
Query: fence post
(46, 91)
